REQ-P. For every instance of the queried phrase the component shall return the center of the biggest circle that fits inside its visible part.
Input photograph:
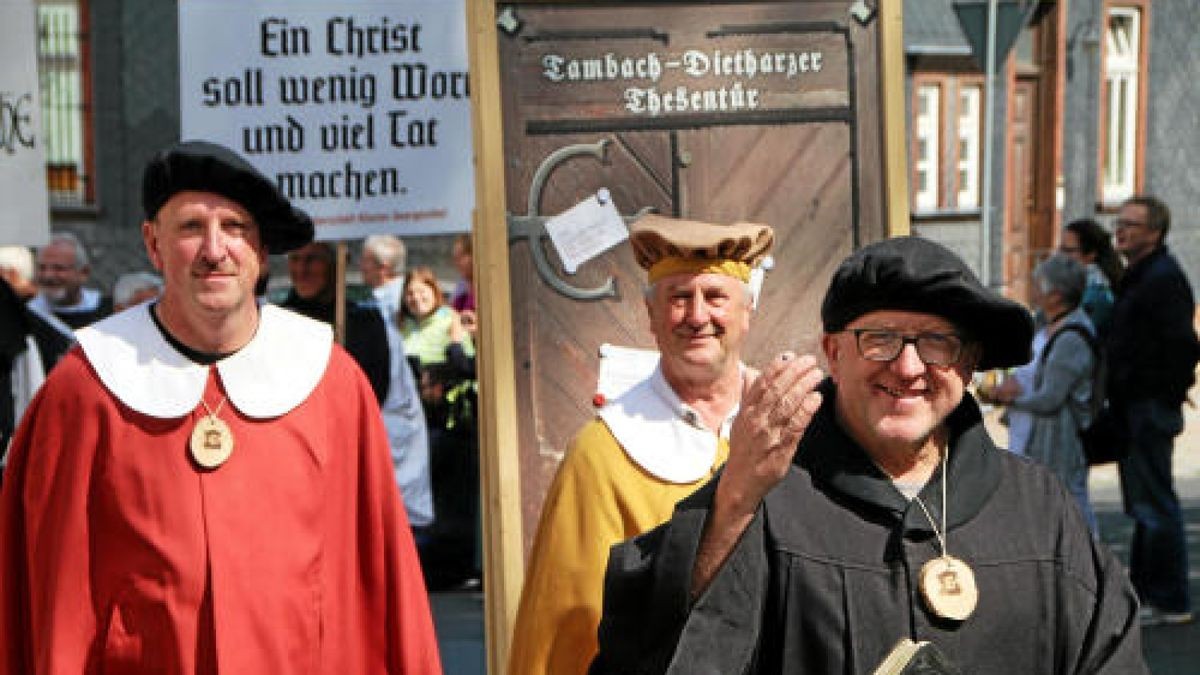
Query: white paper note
(586, 230)
(623, 367)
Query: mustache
(707, 330)
(207, 267)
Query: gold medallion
(948, 587)
(211, 443)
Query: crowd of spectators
(414, 343)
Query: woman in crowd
(1059, 400)
(1089, 244)
(443, 357)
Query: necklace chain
(940, 534)
(212, 414)
(943, 533)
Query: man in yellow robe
(625, 470)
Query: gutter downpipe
(985, 226)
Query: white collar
(661, 433)
(89, 301)
(271, 375)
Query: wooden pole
(895, 161)
(339, 293)
(499, 460)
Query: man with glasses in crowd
(1152, 355)
(895, 517)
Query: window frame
(1111, 195)
(920, 85)
(67, 136)
(950, 141)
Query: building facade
(1094, 103)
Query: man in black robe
(312, 269)
(895, 517)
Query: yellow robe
(599, 497)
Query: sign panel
(25, 218)
(359, 111)
(646, 80)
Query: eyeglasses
(934, 349)
(1069, 249)
(1121, 222)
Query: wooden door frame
(1046, 134)
(498, 428)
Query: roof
(931, 27)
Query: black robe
(825, 578)
(16, 322)
(366, 337)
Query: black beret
(208, 167)
(918, 275)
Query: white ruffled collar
(661, 433)
(274, 373)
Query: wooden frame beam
(500, 501)
(891, 83)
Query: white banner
(24, 205)
(358, 110)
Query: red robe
(119, 555)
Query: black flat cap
(918, 275)
(208, 167)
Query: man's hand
(776, 407)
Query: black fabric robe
(366, 337)
(825, 579)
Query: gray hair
(81, 256)
(648, 290)
(19, 259)
(131, 283)
(1063, 275)
(388, 250)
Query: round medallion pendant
(948, 587)
(211, 443)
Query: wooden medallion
(948, 587)
(211, 443)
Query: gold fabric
(598, 498)
(668, 266)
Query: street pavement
(1170, 650)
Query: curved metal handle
(534, 230)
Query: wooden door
(783, 127)
(1020, 208)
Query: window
(66, 118)
(1121, 110)
(969, 164)
(947, 134)
(926, 132)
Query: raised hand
(776, 407)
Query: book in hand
(916, 658)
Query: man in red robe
(203, 485)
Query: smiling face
(897, 404)
(59, 275)
(699, 322)
(420, 298)
(209, 252)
